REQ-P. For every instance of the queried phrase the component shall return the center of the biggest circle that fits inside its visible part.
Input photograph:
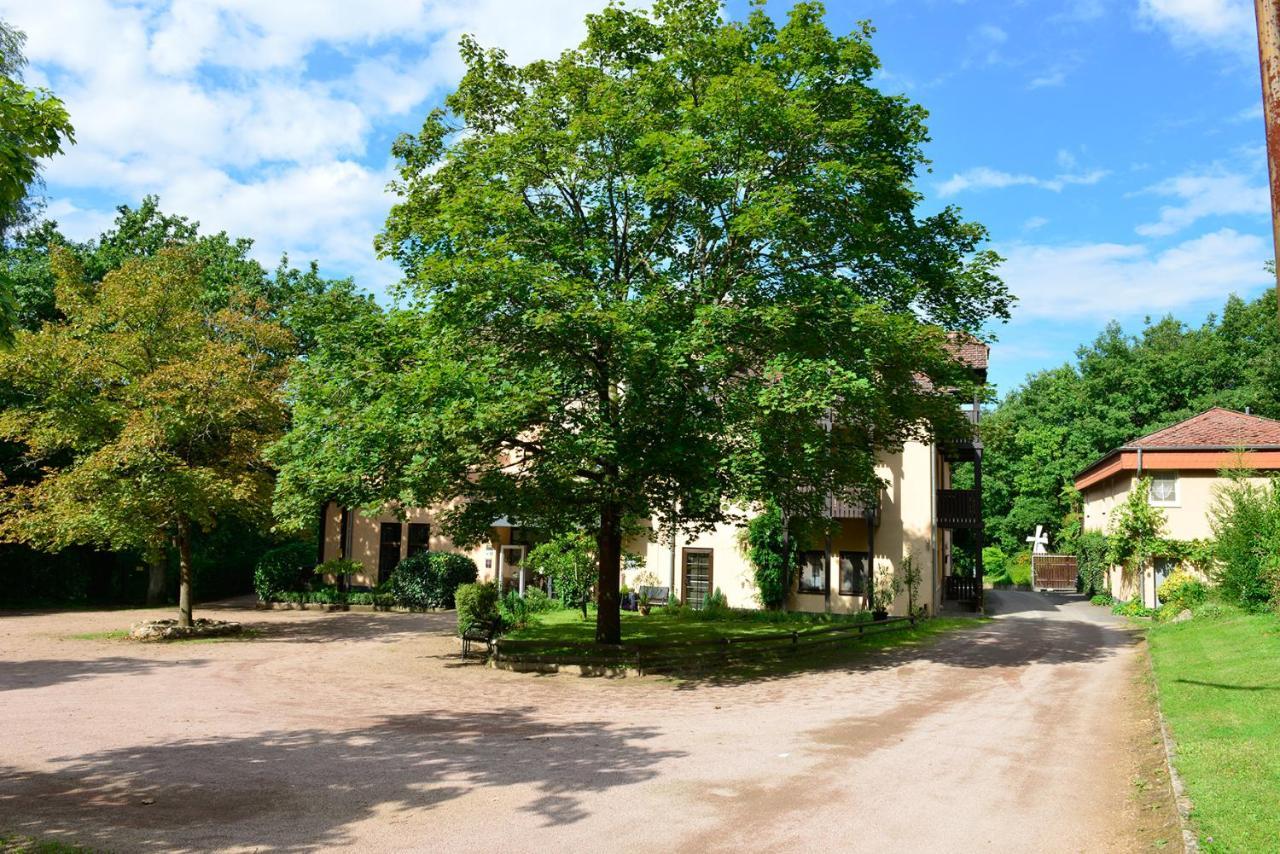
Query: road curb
(1190, 843)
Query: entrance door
(509, 560)
(388, 550)
(697, 577)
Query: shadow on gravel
(43, 672)
(302, 789)
(345, 625)
(1009, 643)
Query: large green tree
(33, 125)
(300, 300)
(141, 414)
(679, 267)
(1119, 387)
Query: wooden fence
(1054, 572)
(681, 655)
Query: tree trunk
(609, 553)
(156, 567)
(184, 573)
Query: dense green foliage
(34, 125)
(768, 562)
(286, 568)
(1182, 591)
(476, 603)
(1091, 553)
(1246, 525)
(518, 611)
(1218, 676)
(141, 412)
(1120, 387)
(431, 579)
(569, 560)
(223, 558)
(649, 275)
(1137, 530)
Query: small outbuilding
(1187, 463)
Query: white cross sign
(1039, 541)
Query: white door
(510, 559)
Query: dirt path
(366, 731)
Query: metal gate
(1054, 572)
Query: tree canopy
(141, 412)
(679, 267)
(1120, 387)
(33, 125)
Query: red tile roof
(969, 350)
(1217, 428)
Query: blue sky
(1114, 148)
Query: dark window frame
(860, 590)
(385, 567)
(803, 569)
(413, 547)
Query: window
(388, 549)
(853, 569)
(1164, 490)
(698, 566)
(813, 572)
(419, 538)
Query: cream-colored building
(1187, 465)
(916, 513)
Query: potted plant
(643, 603)
(886, 589)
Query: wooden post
(1268, 17)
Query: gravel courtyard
(367, 731)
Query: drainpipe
(933, 529)
(674, 537)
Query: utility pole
(1268, 15)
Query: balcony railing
(959, 508)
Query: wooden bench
(480, 631)
(658, 596)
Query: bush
(1105, 600)
(1132, 608)
(518, 611)
(715, 605)
(431, 579)
(284, 569)
(338, 567)
(538, 602)
(476, 602)
(994, 563)
(1019, 568)
(327, 596)
(569, 560)
(1182, 590)
(1246, 522)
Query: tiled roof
(1217, 428)
(969, 350)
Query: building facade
(1187, 464)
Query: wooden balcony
(959, 508)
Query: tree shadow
(293, 790)
(994, 644)
(346, 625)
(1226, 687)
(44, 672)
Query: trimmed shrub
(476, 602)
(284, 569)
(431, 579)
(1182, 590)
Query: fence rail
(687, 654)
(959, 508)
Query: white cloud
(1100, 281)
(1224, 24)
(1205, 195)
(262, 118)
(986, 178)
(1034, 223)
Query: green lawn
(1220, 691)
(659, 627)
